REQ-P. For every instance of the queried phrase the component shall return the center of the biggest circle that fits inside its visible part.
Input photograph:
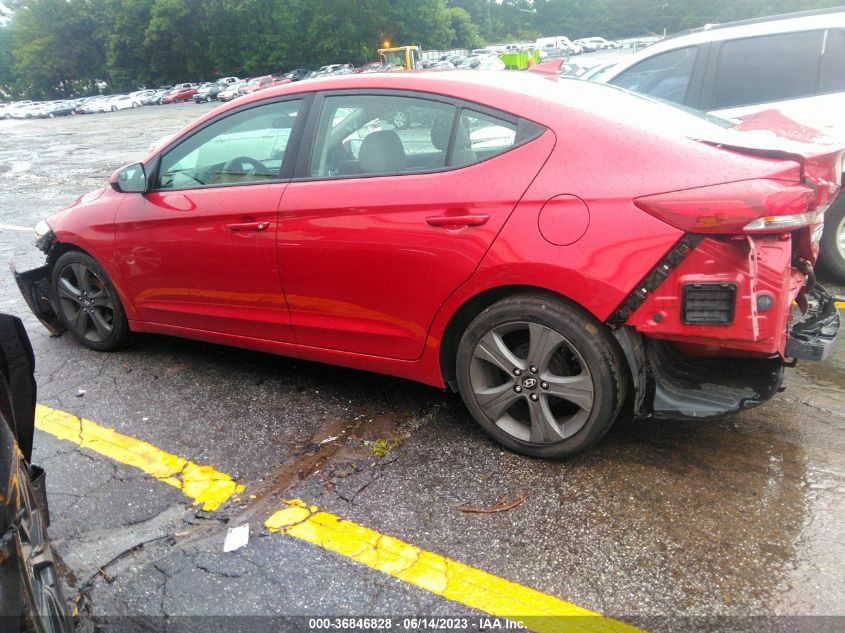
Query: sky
(5, 12)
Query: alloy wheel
(85, 302)
(531, 382)
(41, 582)
(840, 237)
(400, 120)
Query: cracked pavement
(731, 519)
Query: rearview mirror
(130, 179)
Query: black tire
(561, 404)
(87, 302)
(832, 247)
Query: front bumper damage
(35, 287)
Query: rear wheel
(833, 240)
(88, 303)
(540, 377)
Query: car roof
(532, 96)
(814, 18)
(786, 23)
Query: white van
(794, 63)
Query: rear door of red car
(392, 207)
(198, 251)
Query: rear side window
(480, 136)
(833, 62)
(363, 135)
(385, 135)
(768, 68)
(665, 76)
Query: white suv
(794, 63)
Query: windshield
(395, 57)
(601, 72)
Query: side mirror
(130, 179)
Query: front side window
(375, 134)
(244, 147)
(768, 68)
(665, 76)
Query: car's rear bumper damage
(812, 337)
(670, 384)
(709, 332)
(35, 287)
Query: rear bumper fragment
(669, 384)
(813, 336)
(35, 287)
(696, 388)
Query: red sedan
(556, 251)
(262, 83)
(180, 93)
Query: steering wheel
(235, 167)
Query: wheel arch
(475, 305)
(59, 248)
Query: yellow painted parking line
(439, 575)
(203, 484)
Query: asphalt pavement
(664, 525)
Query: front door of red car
(198, 251)
(395, 208)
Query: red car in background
(181, 92)
(555, 251)
(262, 83)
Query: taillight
(735, 207)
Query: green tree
(7, 62)
(465, 33)
(54, 48)
(128, 59)
(176, 40)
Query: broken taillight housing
(735, 207)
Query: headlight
(43, 236)
(41, 229)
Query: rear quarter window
(768, 68)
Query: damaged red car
(555, 251)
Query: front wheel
(541, 377)
(88, 303)
(832, 248)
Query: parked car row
(559, 45)
(229, 88)
(108, 103)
